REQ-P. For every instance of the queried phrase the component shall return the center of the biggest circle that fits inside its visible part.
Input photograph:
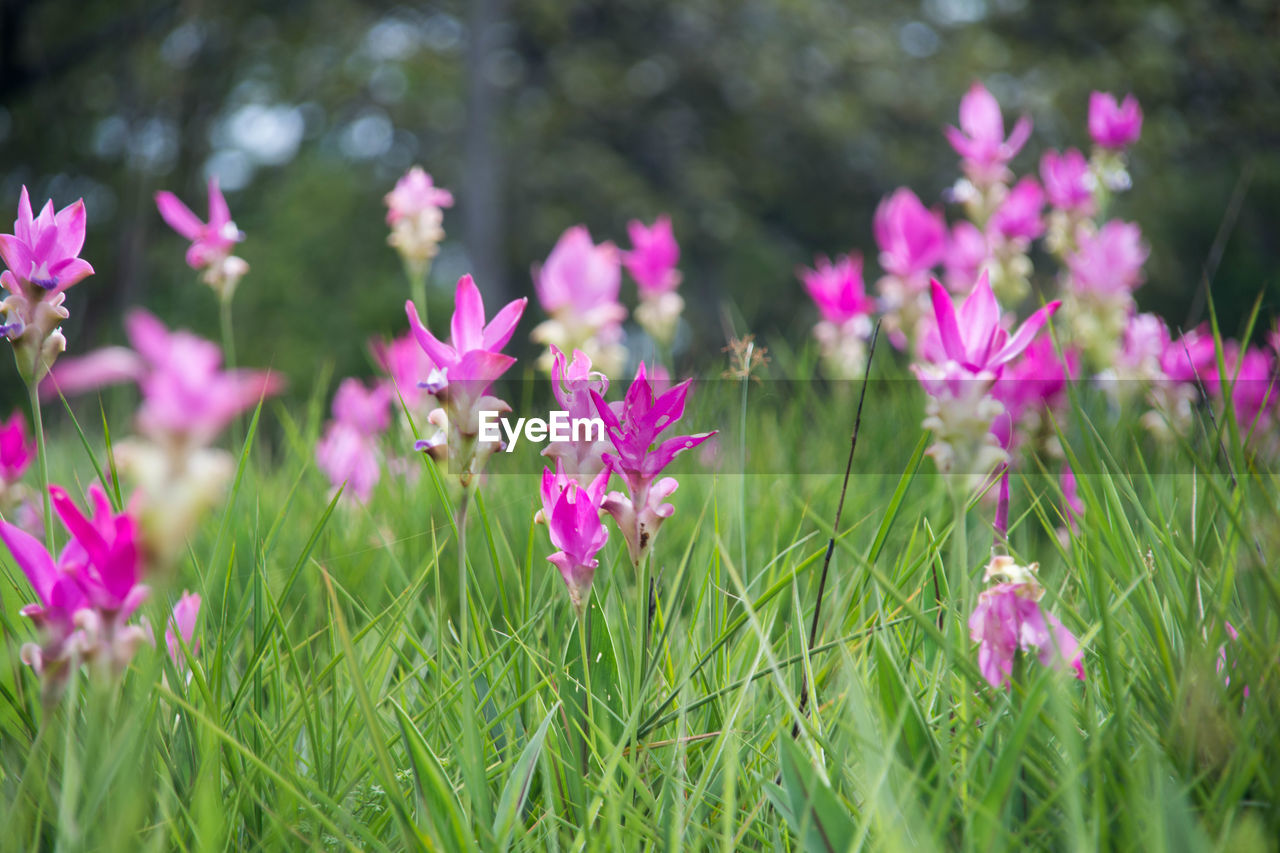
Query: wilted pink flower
(967, 251)
(183, 624)
(572, 513)
(1109, 262)
(635, 428)
(1008, 617)
(1114, 125)
(406, 364)
(1068, 183)
(653, 256)
(44, 250)
(974, 339)
(837, 289)
(348, 453)
(17, 449)
(86, 597)
(980, 140)
(211, 241)
(912, 239)
(413, 194)
(1018, 216)
(573, 382)
(1072, 505)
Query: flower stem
(418, 287)
(588, 718)
(42, 453)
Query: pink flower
(1037, 380)
(911, 238)
(405, 362)
(1146, 339)
(183, 624)
(974, 338)
(572, 513)
(582, 278)
(1109, 262)
(86, 596)
(1251, 379)
(980, 140)
(1008, 617)
(415, 193)
(1067, 181)
(17, 449)
(653, 256)
(211, 241)
(573, 383)
(348, 453)
(44, 250)
(1018, 216)
(635, 428)
(837, 289)
(967, 250)
(1113, 125)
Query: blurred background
(768, 129)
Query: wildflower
(1036, 383)
(348, 453)
(1010, 230)
(405, 363)
(578, 287)
(571, 511)
(634, 429)
(183, 624)
(1102, 274)
(980, 140)
(652, 263)
(1114, 125)
(912, 241)
(87, 596)
(17, 450)
(838, 291)
(967, 254)
(211, 242)
(573, 382)
(1068, 183)
(974, 338)
(415, 212)
(465, 369)
(42, 256)
(1009, 617)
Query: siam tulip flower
(348, 453)
(17, 449)
(573, 382)
(635, 428)
(1068, 183)
(415, 212)
(87, 595)
(980, 141)
(183, 624)
(1010, 230)
(571, 511)
(974, 338)
(1102, 274)
(405, 363)
(465, 369)
(1176, 377)
(578, 287)
(912, 241)
(1114, 126)
(211, 242)
(1035, 384)
(838, 291)
(187, 400)
(652, 263)
(1250, 378)
(42, 256)
(967, 253)
(1009, 617)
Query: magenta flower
(405, 363)
(88, 594)
(1109, 262)
(1009, 618)
(974, 338)
(1038, 380)
(967, 251)
(1114, 126)
(912, 239)
(1251, 378)
(414, 194)
(572, 513)
(573, 383)
(653, 256)
(17, 449)
(635, 428)
(183, 624)
(837, 289)
(348, 452)
(1068, 183)
(581, 277)
(1018, 216)
(1190, 358)
(1146, 339)
(980, 140)
(44, 250)
(212, 241)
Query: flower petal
(178, 216)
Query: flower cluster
(211, 242)
(652, 264)
(838, 291)
(578, 287)
(415, 212)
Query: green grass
(332, 705)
